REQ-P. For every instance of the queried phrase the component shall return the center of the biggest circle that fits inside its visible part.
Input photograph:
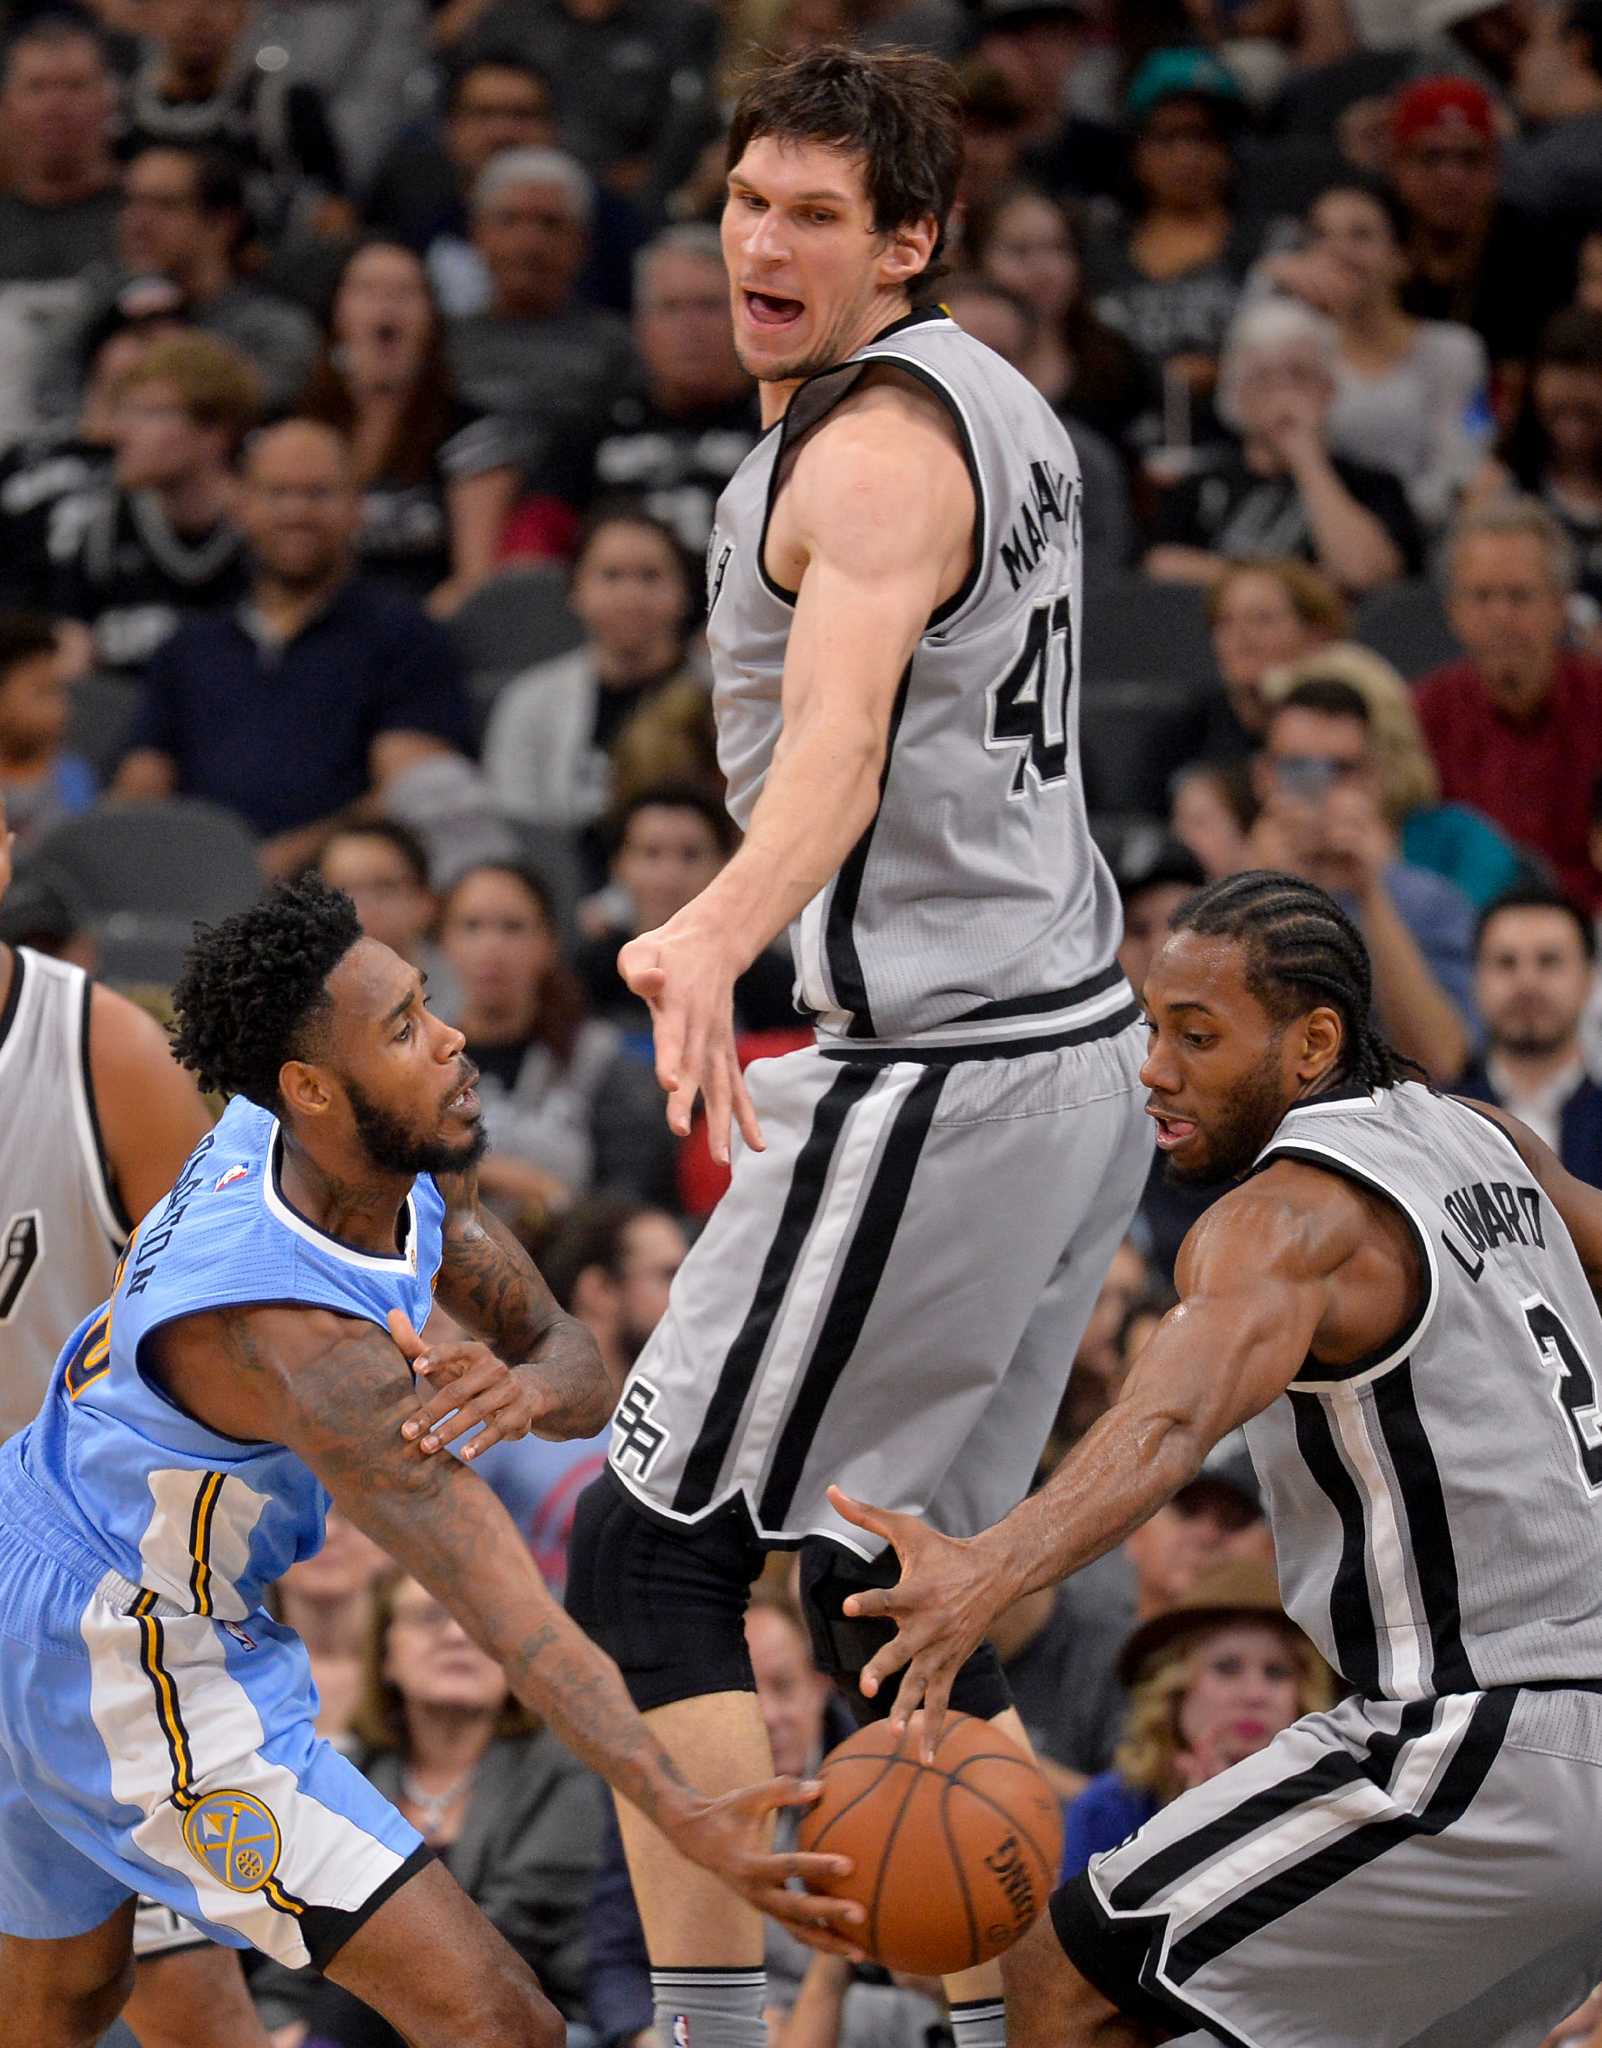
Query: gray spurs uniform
(891, 1293)
(1423, 1864)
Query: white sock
(710, 2008)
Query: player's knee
(843, 1646)
(59, 2015)
(667, 1604)
(515, 2014)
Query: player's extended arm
(334, 1391)
(1254, 1278)
(150, 1112)
(880, 506)
(1576, 1201)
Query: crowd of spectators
(366, 391)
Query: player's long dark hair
(254, 988)
(1301, 950)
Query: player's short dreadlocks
(254, 987)
(1301, 949)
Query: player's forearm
(821, 795)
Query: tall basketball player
(927, 1199)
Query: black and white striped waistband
(1098, 1007)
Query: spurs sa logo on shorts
(636, 1439)
(236, 1837)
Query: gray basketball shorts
(889, 1297)
(1427, 1874)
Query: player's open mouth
(465, 1101)
(769, 309)
(1171, 1130)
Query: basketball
(953, 1860)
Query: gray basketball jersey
(1437, 1509)
(60, 1228)
(975, 909)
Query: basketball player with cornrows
(96, 1118)
(1400, 1303)
(924, 1202)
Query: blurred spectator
(1169, 278)
(437, 477)
(1263, 615)
(1037, 47)
(1282, 491)
(609, 1261)
(1588, 272)
(75, 456)
(327, 1599)
(549, 748)
(537, 355)
(318, 691)
(631, 81)
(1555, 170)
(1212, 1681)
(40, 783)
(1088, 371)
(1324, 819)
(565, 1107)
(1150, 893)
(994, 118)
(382, 866)
(512, 1814)
(132, 561)
(679, 435)
(1410, 395)
(182, 217)
(368, 58)
(1004, 321)
(1212, 812)
(1516, 727)
(1470, 257)
(668, 842)
(1453, 840)
(58, 208)
(201, 87)
(1534, 959)
(1554, 450)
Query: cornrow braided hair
(1301, 948)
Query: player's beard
(1242, 1129)
(393, 1147)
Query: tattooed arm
(490, 1285)
(334, 1391)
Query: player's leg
(1050, 2005)
(66, 1993)
(431, 1964)
(187, 1993)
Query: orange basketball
(953, 1860)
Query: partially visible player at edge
(156, 1728)
(1399, 1301)
(927, 1200)
(96, 1118)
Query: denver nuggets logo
(236, 1838)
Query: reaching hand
(687, 977)
(730, 1838)
(474, 1387)
(947, 1596)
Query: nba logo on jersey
(226, 1180)
(681, 2031)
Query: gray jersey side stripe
(1351, 1610)
(840, 946)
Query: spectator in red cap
(1471, 257)
(1516, 727)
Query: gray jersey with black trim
(1437, 1508)
(60, 1231)
(976, 908)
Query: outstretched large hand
(730, 1837)
(947, 1596)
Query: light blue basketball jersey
(196, 1517)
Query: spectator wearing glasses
(1323, 819)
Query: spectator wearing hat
(1516, 726)
(1534, 964)
(1556, 170)
(1470, 256)
(1283, 491)
(1212, 1680)
(1169, 277)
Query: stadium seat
(1144, 632)
(518, 618)
(148, 872)
(100, 716)
(1406, 622)
(1132, 739)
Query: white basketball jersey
(61, 1228)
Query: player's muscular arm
(1578, 1203)
(1260, 1279)
(150, 1112)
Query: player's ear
(304, 1088)
(1322, 1033)
(908, 252)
